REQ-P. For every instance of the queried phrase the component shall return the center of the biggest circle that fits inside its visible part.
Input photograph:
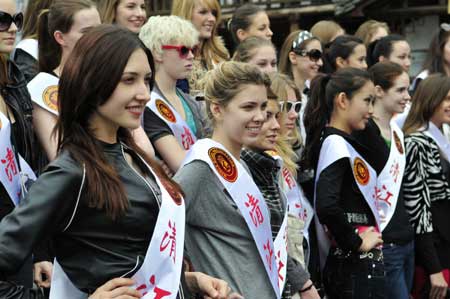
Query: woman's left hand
(210, 287)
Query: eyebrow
(136, 74)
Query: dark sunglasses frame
(313, 55)
(6, 20)
(289, 105)
(183, 51)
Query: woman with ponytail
(347, 225)
(344, 51)
(249, 20)
(393, 48)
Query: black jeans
(352, 277)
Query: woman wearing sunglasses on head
(257, 51)
(172, 119)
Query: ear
(216, 111)
(157, 57)
(292, 58)
(341, 62)
(241, 34)
(341, 101)
(59, 37)
(379, 92)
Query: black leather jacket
(89, 245)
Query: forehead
(125, 2)
(402, 80)
(359, 50)
(87, 17)
(264, 52)
(313, 44)
(137, 63)
(366, 90)
(401, 46)
(260, 17)
(8, 6)
(208, 4)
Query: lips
(135, 110)
(254, 130)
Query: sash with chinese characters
(251, 204)
(29, 45)
(159, 275)
(335, 147)
(442, 141)
(11, 174)
(172, 118)
(390, 179)
(44, 91)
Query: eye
(128, 79)
(269, 115)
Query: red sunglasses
(183, 51)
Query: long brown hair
(428, 96)
(58, 17)
(87, 81)
(34, 8)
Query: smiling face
(358, 58)
(204, 19)
(360, 107)
(8, 37)
(441, 114)
(126, 104)
(265, 58)
(306, 67)
(289, 118)
(260, 27)
(270, 130)
(395, 98)
(131, 14)
(401, 54)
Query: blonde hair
(107, 10)
(224, 82)
(212, 50)
(325, 30)
(247, 49)
(168, 30)
(367, 29)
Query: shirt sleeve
(330, 213)
(154, 126)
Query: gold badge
(361, 172)
(224, 164)
(398, 143)
(50, 97)
(165, 111)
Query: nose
(143, 93)
(364, 65)
(370, 108)
(292, 114)
(269, 32)
(407, 96)
(141, 12)
(319, 62)
(260, 116)
(211, 17)
(190, 55)
(275, 125)
(12, 28)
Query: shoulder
(418, 140)
(66, 166)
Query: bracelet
(307, 288)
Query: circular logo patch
(398, 143)
(165, 111)
(50, 97)
(361, 172)
(224, 164)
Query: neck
(382, 117)
(298, 80)
(166, 84)
(59, 68)
(338, 123)
(438, 124)
(103, 130)
(233, 147)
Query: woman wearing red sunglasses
(172, 119)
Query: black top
(340, 205)
(27, 64)
(399, 230)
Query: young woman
(393, 48)
(327, 31)
(372, 30)
(266, 168)
(384, 141)
(59, 29)
(345, 51)
(172, 119)
(238, 245)
(426, 185)
(249, 20)
(26, 53)
(130, 14)
(205, 15)
(114, 217)
(347, 223)
(257, 51)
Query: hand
(117, 288)
(43, 274)
(438, 286)
(210, 287)
(370, 239)
(311, 293)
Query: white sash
(44, 91)
(390, 179)
(10, 175)
(335, 147)
(29, 45)
(172, 118)
(251, 204)
(159, 275)
(439, 138)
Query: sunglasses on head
(289, 105)
(183, 51)
(314, 54)
(6, 20)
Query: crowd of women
(141, 158)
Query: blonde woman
(257, 51)
(372, 30)
(130, 14)
(205, 16)
(327, 31)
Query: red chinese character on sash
(159, 293)
(255, 213)
(186, 138)
(269, 255)
(382, 195)
(10, 167)
(280, 267)
(395, 171)
(288, 178)
(170, 237)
